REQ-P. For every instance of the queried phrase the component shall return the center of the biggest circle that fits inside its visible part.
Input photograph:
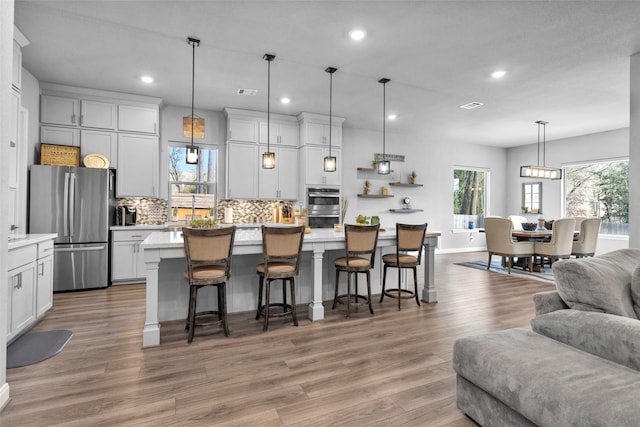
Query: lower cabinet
(127, 258)
(30, 286)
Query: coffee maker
(127, 215)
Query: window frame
(459, 224)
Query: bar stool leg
(222, 308)
(260, 288)
(369, 291)
(335, 297)
(399, 287)
(192, 310)
(415, 285)
(266, 306)
(348, 294)
(293, 301)
(384, 281)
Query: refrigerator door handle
(92, 248)
(72, 202)
(65, 206)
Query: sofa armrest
(612, 337)
(546, 302)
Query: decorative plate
(96, 160)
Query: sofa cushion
(601, 283)
(635, 289)
(549, 383)
(615, 338)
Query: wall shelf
(374, 196)
(404, 184)
(369, 169)
(405, 210)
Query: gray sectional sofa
(580, 363)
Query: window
(192, 188)
(469, 197)
(599, 189)
(532, 197)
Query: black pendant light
(384, 165)
(330, 161)
(541, 171)
(268, 158)
(192, 150)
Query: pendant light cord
(193, 83)
(330, 108)
(384, 121)
(268, 102)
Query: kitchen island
(167, 295)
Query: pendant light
(192, 150)
(541, 171)
(384, 165)
(330, 161)
(268, 158)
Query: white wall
(597, 146)
(433, 162)
(634, 154)
(6, 51)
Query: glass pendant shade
(384, 167)
(330, 164)
(268, 160)
(192, 155)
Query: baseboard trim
(4, 395)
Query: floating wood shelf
(375, 196)
(370, 169)
(404, 210)
(404, 184)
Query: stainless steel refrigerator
(78, 204)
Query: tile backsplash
(149, 211)
(249, 211)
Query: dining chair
(360, 249)
(208, 254)
(499, 242)
(517, 221)
(281, 247)
(561, 243)
(587, 239)
(579, 220)
(409, 239)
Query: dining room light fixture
(384, 165)
(330, 161)
(541, 171)
(193, 151)
(268, 158)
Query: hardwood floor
(392, 368)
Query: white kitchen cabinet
(21, 308)
(137, 174)
(312, 159)
(133, 118)
(100, 142)
(242, 171)
(282, 181)
(242, 129)
(59, 110)
(281, 133)
(97, 114)
(60, 135)
(315, 128)
(44, 280)
(127, 259)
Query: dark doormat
(34, 347)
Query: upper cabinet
(58, 110)
(137, 119)
(252, 126)
(98, 114)
(281, 133)
(242, 129)
(316, 130)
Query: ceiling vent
(247, 92)
(472, 105)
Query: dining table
(534, 235)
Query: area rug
(546, 275)
(34, 347)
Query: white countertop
(20, 240)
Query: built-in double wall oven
(324, 207)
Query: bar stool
(360, 249)
(409, 238)
(208, 254)
(281, 254)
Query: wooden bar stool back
(360, 249)
(281, 260)
(409, 238)
(208, 253)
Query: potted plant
(525, 209)
(203, 223)
(362, 220)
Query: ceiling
(567, 62)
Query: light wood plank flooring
(390, 369)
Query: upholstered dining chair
(561, 242)
(281, 248)
(409, 238)
(587, 239)
(360, 249)
(208, 253)
(517, 221)
(579, 220)
(499, 242)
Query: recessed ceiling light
(146, 79)
(357, 34)
(392, 117)
(498, 74)
(285, 100)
